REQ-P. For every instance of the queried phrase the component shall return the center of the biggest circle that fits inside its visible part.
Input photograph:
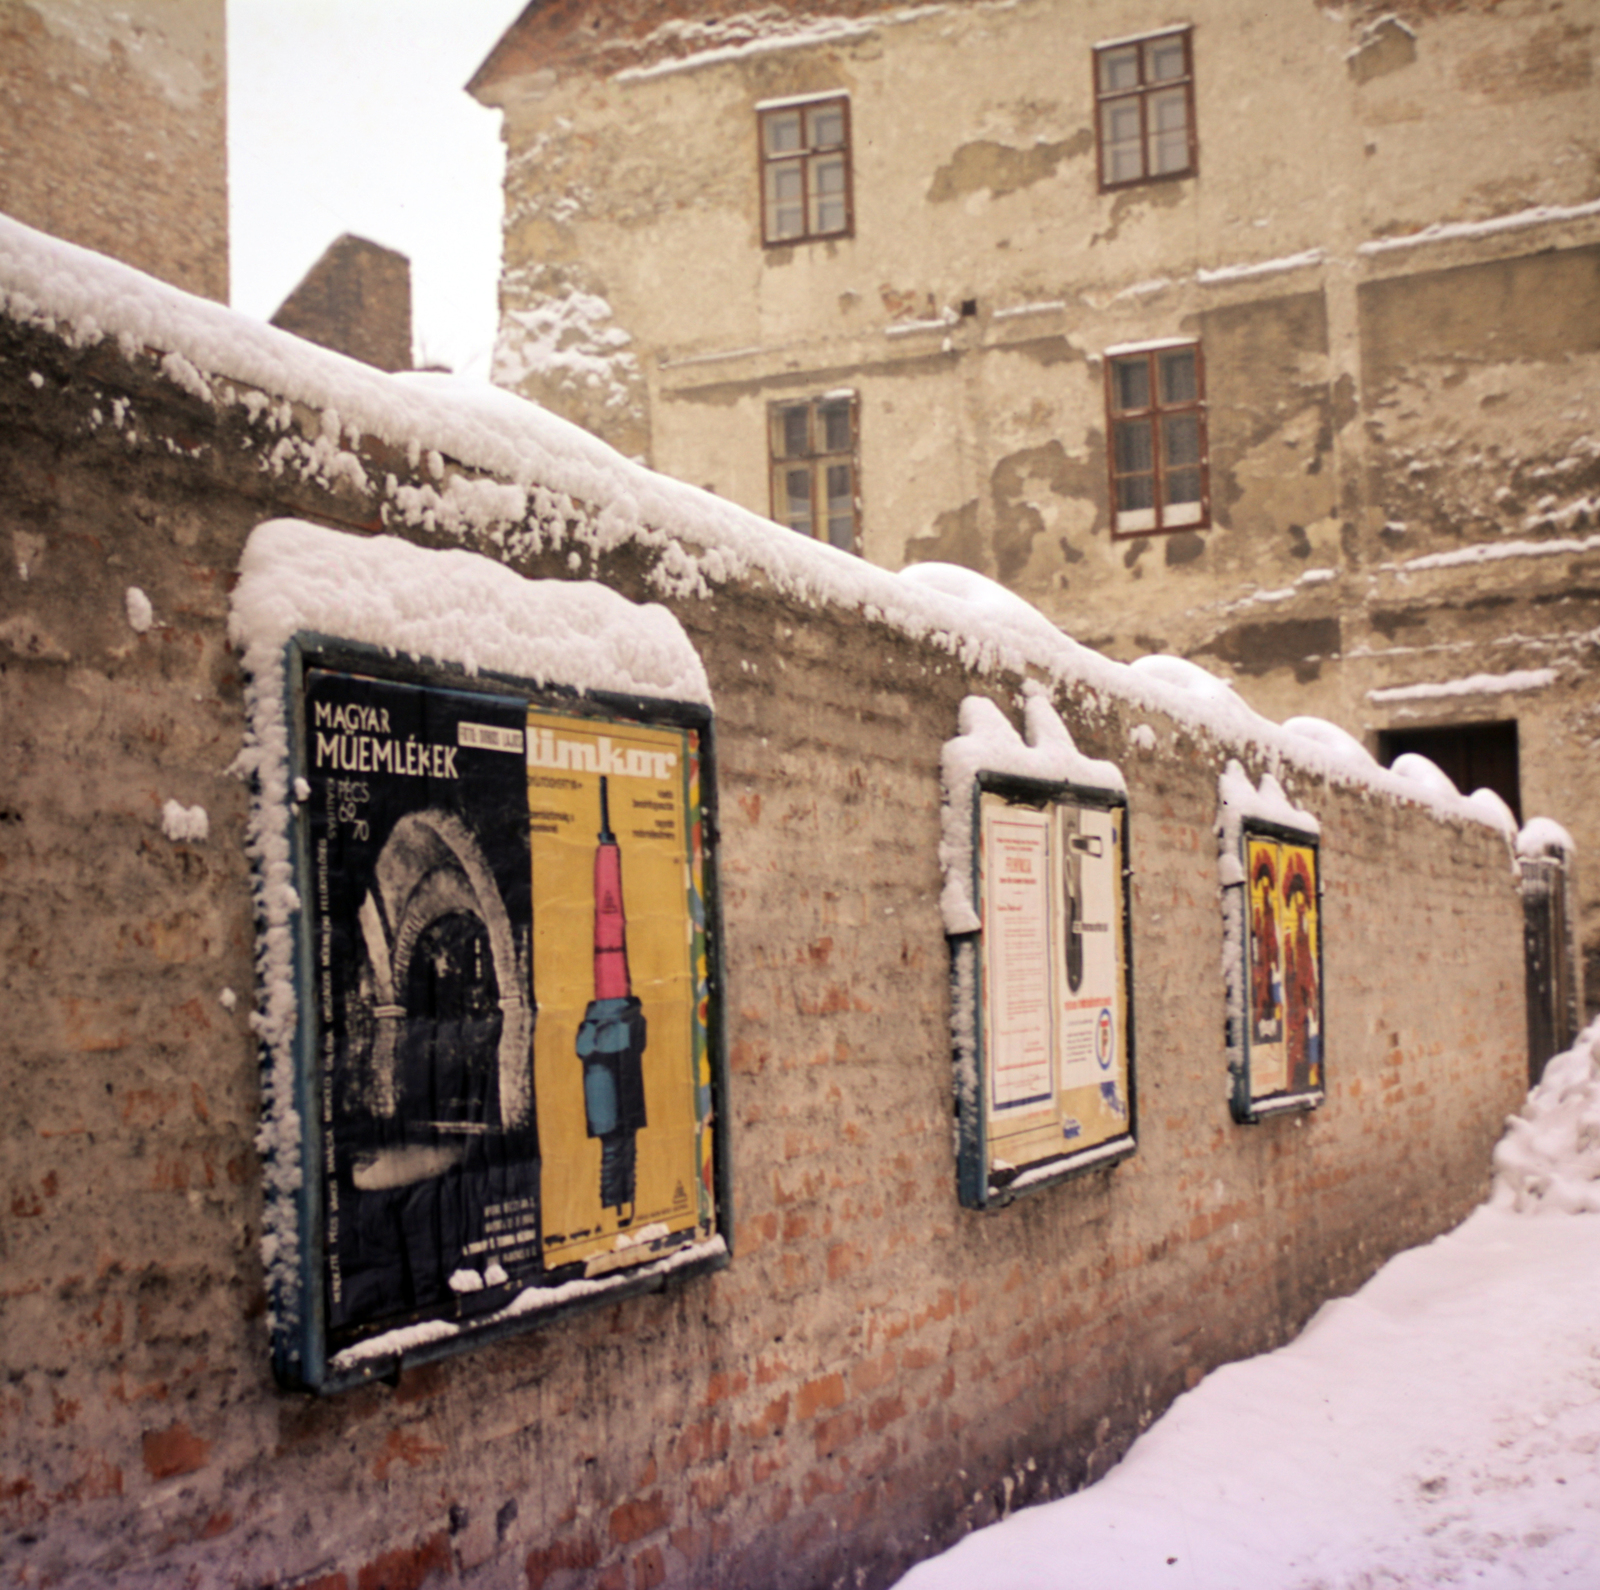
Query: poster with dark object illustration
(1052, 1031)
(618, 1055)
(1279, 1063)
(506, 934)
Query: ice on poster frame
(304, 1354)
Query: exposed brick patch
(649, 1569)
(725, 1383)
(815, 1395)
(639, 1517)
(404, 1446)
(173, 1451)
(543, 1561)
(836, 1431)
(409, 1567)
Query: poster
(509, 960)
(1053, 982)
(1282, 968)
(616, 1063)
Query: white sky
(352, 116)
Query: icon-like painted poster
(1283, 958)
(509, 959)
(1053, 983)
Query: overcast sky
(352, 116)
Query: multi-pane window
(805, 170)
(1156, 399)
(1144, 92)
(814, 468)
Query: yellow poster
(617, 957)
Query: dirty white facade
(1269, 336)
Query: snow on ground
(1438, 1428)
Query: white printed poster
(1054, 980)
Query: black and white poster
(421, 947)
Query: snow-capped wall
(796, 1416)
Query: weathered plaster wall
(114, 131)
(1376, 392)
(877, 1370)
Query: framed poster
(1047, 980)
(508, 1018)
(1276, 1032)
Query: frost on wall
(564, 349)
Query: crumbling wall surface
(114, 132)
(877, 1370)
(1478, 382)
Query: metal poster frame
(1274, 1031)
(454, 1095)
(1024, 1103)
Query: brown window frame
(1192, 514)
(1143, 92)
(809, 158)
(815, 457)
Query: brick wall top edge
(495, 468)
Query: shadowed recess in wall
(1298, 643)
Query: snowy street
(1438, 1428)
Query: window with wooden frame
(1144, 108)
(814, 470)
(805, 169)
(1155, 401)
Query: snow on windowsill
(1492, 552)
(1267, 267)
(1473, 685)
(1444, 231)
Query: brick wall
(877, 1370)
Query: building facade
(114, 131)
(1265, 336)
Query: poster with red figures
(1282, 944)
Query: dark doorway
(1475, 755)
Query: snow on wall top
(456, 606)
(551, 485)
(987, 743)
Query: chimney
(356, 300)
